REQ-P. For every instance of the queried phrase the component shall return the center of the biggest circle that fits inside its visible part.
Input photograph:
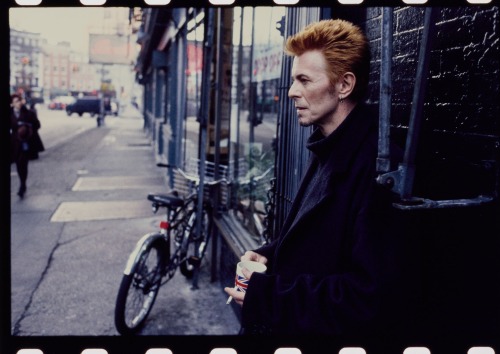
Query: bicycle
(152, 264)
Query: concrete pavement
(84, 210)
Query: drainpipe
(383, 158)
(417, 106)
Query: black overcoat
(337, 266)
(35, 144)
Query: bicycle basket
(185, 186)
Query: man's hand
(252, 256)
(237, 296)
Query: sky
(59, 24)
(72, 24)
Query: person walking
(25, 143)
(337, 266)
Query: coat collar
(338, 149)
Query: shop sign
(266, 63)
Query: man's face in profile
(315, 99)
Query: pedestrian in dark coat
(36, 141)
(338, 265)
(25, 142)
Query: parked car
(91, 105)
(60, 102)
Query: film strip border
(216, 345)
(233, 345)
(183, 3)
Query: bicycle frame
(149, 238)
(152, 263)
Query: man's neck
(341, 114)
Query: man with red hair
(336, 266)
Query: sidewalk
(178, 309)
(93, 228)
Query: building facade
(26, 63)
(47, 70)
(57, 69)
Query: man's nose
(293, 92)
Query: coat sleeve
(35, 122)
(355, 301)
(267, 250)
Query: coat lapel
(318, 195)
(357, 126)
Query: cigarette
(229, 300)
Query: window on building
(257, 54)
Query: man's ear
(347, 83)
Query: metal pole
(416, 115)
(383, 158)
(218, 88)
(204, 117)
(217, 128)
(252, 95)
(100, 116)
(239, 96)
(180, 144)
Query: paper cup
(240, 282)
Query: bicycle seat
(166, 200)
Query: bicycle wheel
(193, 246)
(138, 290)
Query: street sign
(109, 49)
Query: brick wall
(458, 157)
(459, 147)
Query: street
(84, 210)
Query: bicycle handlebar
(196, 179)
(192, 178)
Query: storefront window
(257, 55)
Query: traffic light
(280, 26)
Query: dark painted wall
(459, 147)
(458, 157)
